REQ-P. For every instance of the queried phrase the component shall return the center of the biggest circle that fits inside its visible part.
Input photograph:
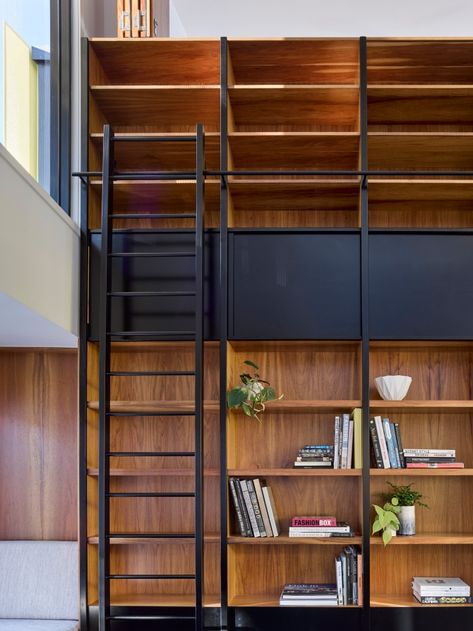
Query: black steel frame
(362, 174)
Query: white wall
(318, 18)
(39, 261)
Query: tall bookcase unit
(339, 218)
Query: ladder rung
(169, 535)
(166, 413)
(158, 175)
(138, 138)
(149, 294)
(152, 373)
(155, 617)
(150, 454)
(137, 494)
(155, 577)
(149, 333)
(151, 254)
(152, 216)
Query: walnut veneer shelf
(295, 472)
(155, 406)
(412, 406)
(121, 541)
(285, 540)
(131, 473)
(404, 600)
(160, 600)
(444, 539)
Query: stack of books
(315, 456)
(319, 527)
(349, 572)
(309, 595)
(440, 590)
(432, 459)
(388, 453)
(347, 448)
(254, 507)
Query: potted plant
(387, 519)
(253, 393)
(407, 498)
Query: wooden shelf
(155, 406)
(446, 539)
(404, 600)
(163, 108)
(145, 473)
(160, 156)
(285, 540)
(413, 406)
(211, 538)
(294, 473)
(291, 150)
(270, 600)
(302, 107)
(422, 473)
(159, 600)
(286, 405)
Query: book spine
(397, 433)
(350, 445)
(354, 575)
(314, 535)
(443, 600)
(349, 579)
(256, 508)
(358, 438)
(427, 459)
(395, 445)
(338, 574)
(389, 443)
(249, 508)
(382, 442)
(345, 430)
(336, 443)
(344, 578)
(271, 507)
(375, 442)
(359, 566)
(304, 522)
(262, 507)
(435, 465)
(340, 529)
(244, 511)
(439, 453)
(237, 506)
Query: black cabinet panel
(295, 286)
(421, 618)
(421, 286)
(156, 274)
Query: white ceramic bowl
(393, 387)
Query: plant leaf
(387, 536)
(378, 509)
(250, 363)
(376, 526)
(235, 398)
(248, 410)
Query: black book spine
(256, 508)
(376, 447)
(349, 578)
(237, 506)
(244, 512)
(429, 459)
(397, 433)
(354, 576)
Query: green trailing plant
(387, 519)
(406, 495)
(253, 393)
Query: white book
(345, 431)
(430, 453)
(344, 578)
(262, 507)
(249, 508)
(337, 529)
(314, 535)
(336, 443)
(271, 508)
(382, 442)
(440, 586)
(338, 572)
(350, 445)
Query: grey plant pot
(407, 519)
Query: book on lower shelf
(441, 590)
(309, 595)
(254, 507)
(387, 451)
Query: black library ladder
(107, 336)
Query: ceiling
(317, 18)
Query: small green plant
(406, 495)
(252, 395)
(386, 519)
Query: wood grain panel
(426, 61)
(294, 61)
(302, 108)
(38, 444)
(163, 61)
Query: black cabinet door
(156, 274)
(421, 286)
(294, 285)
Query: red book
(302, 522)
(435, 465)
